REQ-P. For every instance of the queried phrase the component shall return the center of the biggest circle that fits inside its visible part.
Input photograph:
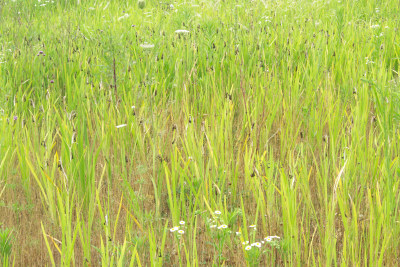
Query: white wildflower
(182, 222)
(369, 61)
(257, 244)
(270, 238)
(248, 248)
(217, 212)
(173, 229)
(181, 232)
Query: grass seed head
(141, 4)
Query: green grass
(282, 115)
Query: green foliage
(201, 132)
(6, 242)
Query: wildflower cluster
(271, 240)
(220, 235)
(217, 222)
(249, 246)
(44, 3)
(255, 250)
(179, 229)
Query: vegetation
(213, 133)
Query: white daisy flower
(173, 229)
(224, 226)
(182, 222)
(213, 226)
(245, 242)
(217, 212)
(257, 244)
(181, 232)
(248, 248)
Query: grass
(266, 133)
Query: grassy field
(199, 133)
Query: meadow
(199, 133)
